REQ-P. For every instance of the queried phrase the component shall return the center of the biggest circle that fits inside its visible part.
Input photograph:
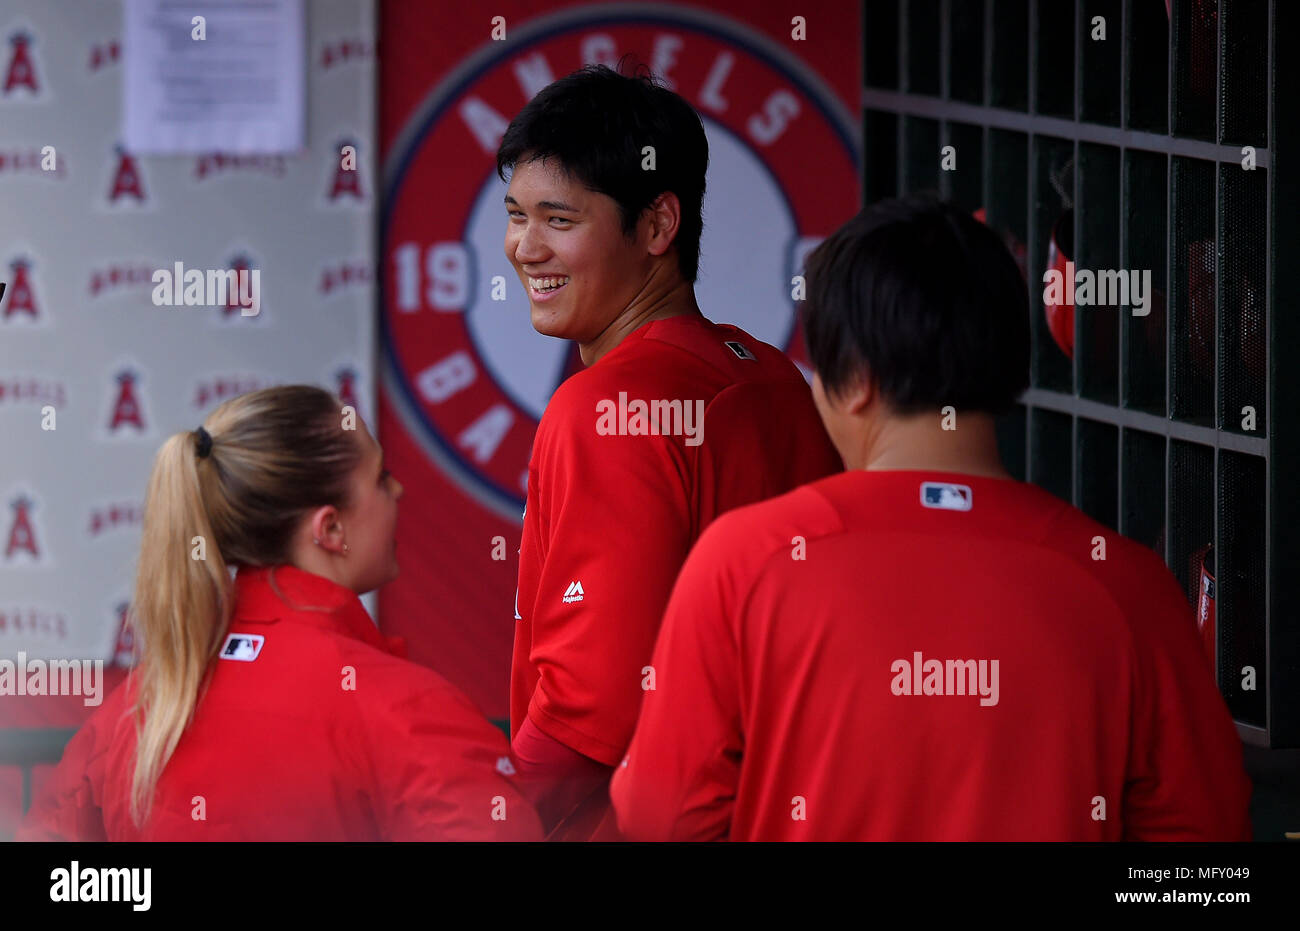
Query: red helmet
(1060, 316)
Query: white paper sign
(217, 76)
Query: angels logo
(22, 543)
(114, 516)
(212, 391)
(341, 51)
(346, 381)
(346, 173)
(125, 654)
(247, 295)
(126, 411)
(33, 390)
(118, 276)
(44, 161)
(345, 275)
(468, 374)
(32, 621)
(103, 54)
(215, 162)
(127, 182)
(20, 75)
(18, 302)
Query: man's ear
(855, 396)
(665, 215)
(325, 528)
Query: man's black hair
(923, 300)
(595, 122)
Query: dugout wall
(1139, 121)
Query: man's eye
(562, 219)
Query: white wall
(185, 359)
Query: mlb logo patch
(243, 647)
(945, 496)
(741, 350)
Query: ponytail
(269, 458)
(180, 609)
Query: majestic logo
(573, 593)
(467, 374)
(243, 647)
(20, 74)
(127, 182)
(946, 497)
(18, 301)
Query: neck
(309, 557)
(650, 304)
(919, 443)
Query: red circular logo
(466, 371)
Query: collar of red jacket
(306, 598)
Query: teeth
(547, 284)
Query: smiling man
(604, 212)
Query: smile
(544, 287)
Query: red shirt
(323, 731)
(798, 696)
(611, 516)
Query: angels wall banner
(464, 377)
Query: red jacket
(313, 726)
(944, 659)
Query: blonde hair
(276, 454)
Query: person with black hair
(675, 419)
(922, 647)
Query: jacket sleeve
(679, 779)
(445, 774)
(1186, 781)
(69, 804)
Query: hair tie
(205, 442)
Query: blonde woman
(270, 707)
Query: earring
(316, 540)
(345, 547)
